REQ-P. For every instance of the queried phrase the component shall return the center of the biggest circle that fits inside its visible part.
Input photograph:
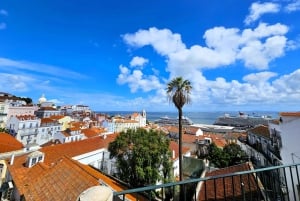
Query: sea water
(196, 117)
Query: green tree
(143, 157)
(216, 156)
(235, 154)
(27, 100)
(178, 91)
(231, 154)
(4, 130)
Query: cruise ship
(173, 121)
(243, 120)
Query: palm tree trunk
(181, 193)
(180, 143)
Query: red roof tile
(291, 114)
(232, 185)
(62, 181)
(8, 143)
(175, 147)
(261, 130)
(92, 132)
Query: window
(30, 125)
(33, 161)
(1, 168)
(40, 158)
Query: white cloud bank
(293, 6)
(258, 9)
(138, 61)
(256, 48)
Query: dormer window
(34, 158)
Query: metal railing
(276, 183)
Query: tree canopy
(143, 157)
(231, 154)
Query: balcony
(276, 183)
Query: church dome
(42, 99)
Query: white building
(45, 112)
(141, 118)
(69, 135)
(288, 130)
(24, 128)
(10, 108)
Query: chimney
(12, 159)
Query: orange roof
(46, 120)
(211, 188)
(47, 108)
(92, 132)
(174, 146)
(261, 130)
(59, 174)
(125, 121)
(291, 114)
(66, 134)
(9, 143)
(218, 139)
(61, 181)
(56, 117)
(191, 130)
(135, 114)
(26, 117)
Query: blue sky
(119, 55)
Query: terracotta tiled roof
(174, 146)
(56, 117)
(232, 185)
(26, 117)
(92, 132)
(261, 130)
(9, 143)
(191, 130)
(47, 108)
(59, 177)
(46, 120)
(292, 114)
(72, 149)
(125, 121)
(218, 139)
(62, 181)
(66, 134)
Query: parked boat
(173, 121)
(243, 120)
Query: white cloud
(260, 77)
(255, 47)
(2, 25)
(137, 80)
(224, 46)
(138, 61)
(14, 83)
(294, 6)
(3, 12)
(288, 83)
(39, 68)
(258, 9)
(163, 41)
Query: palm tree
(178, 91)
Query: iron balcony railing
(276, 183)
